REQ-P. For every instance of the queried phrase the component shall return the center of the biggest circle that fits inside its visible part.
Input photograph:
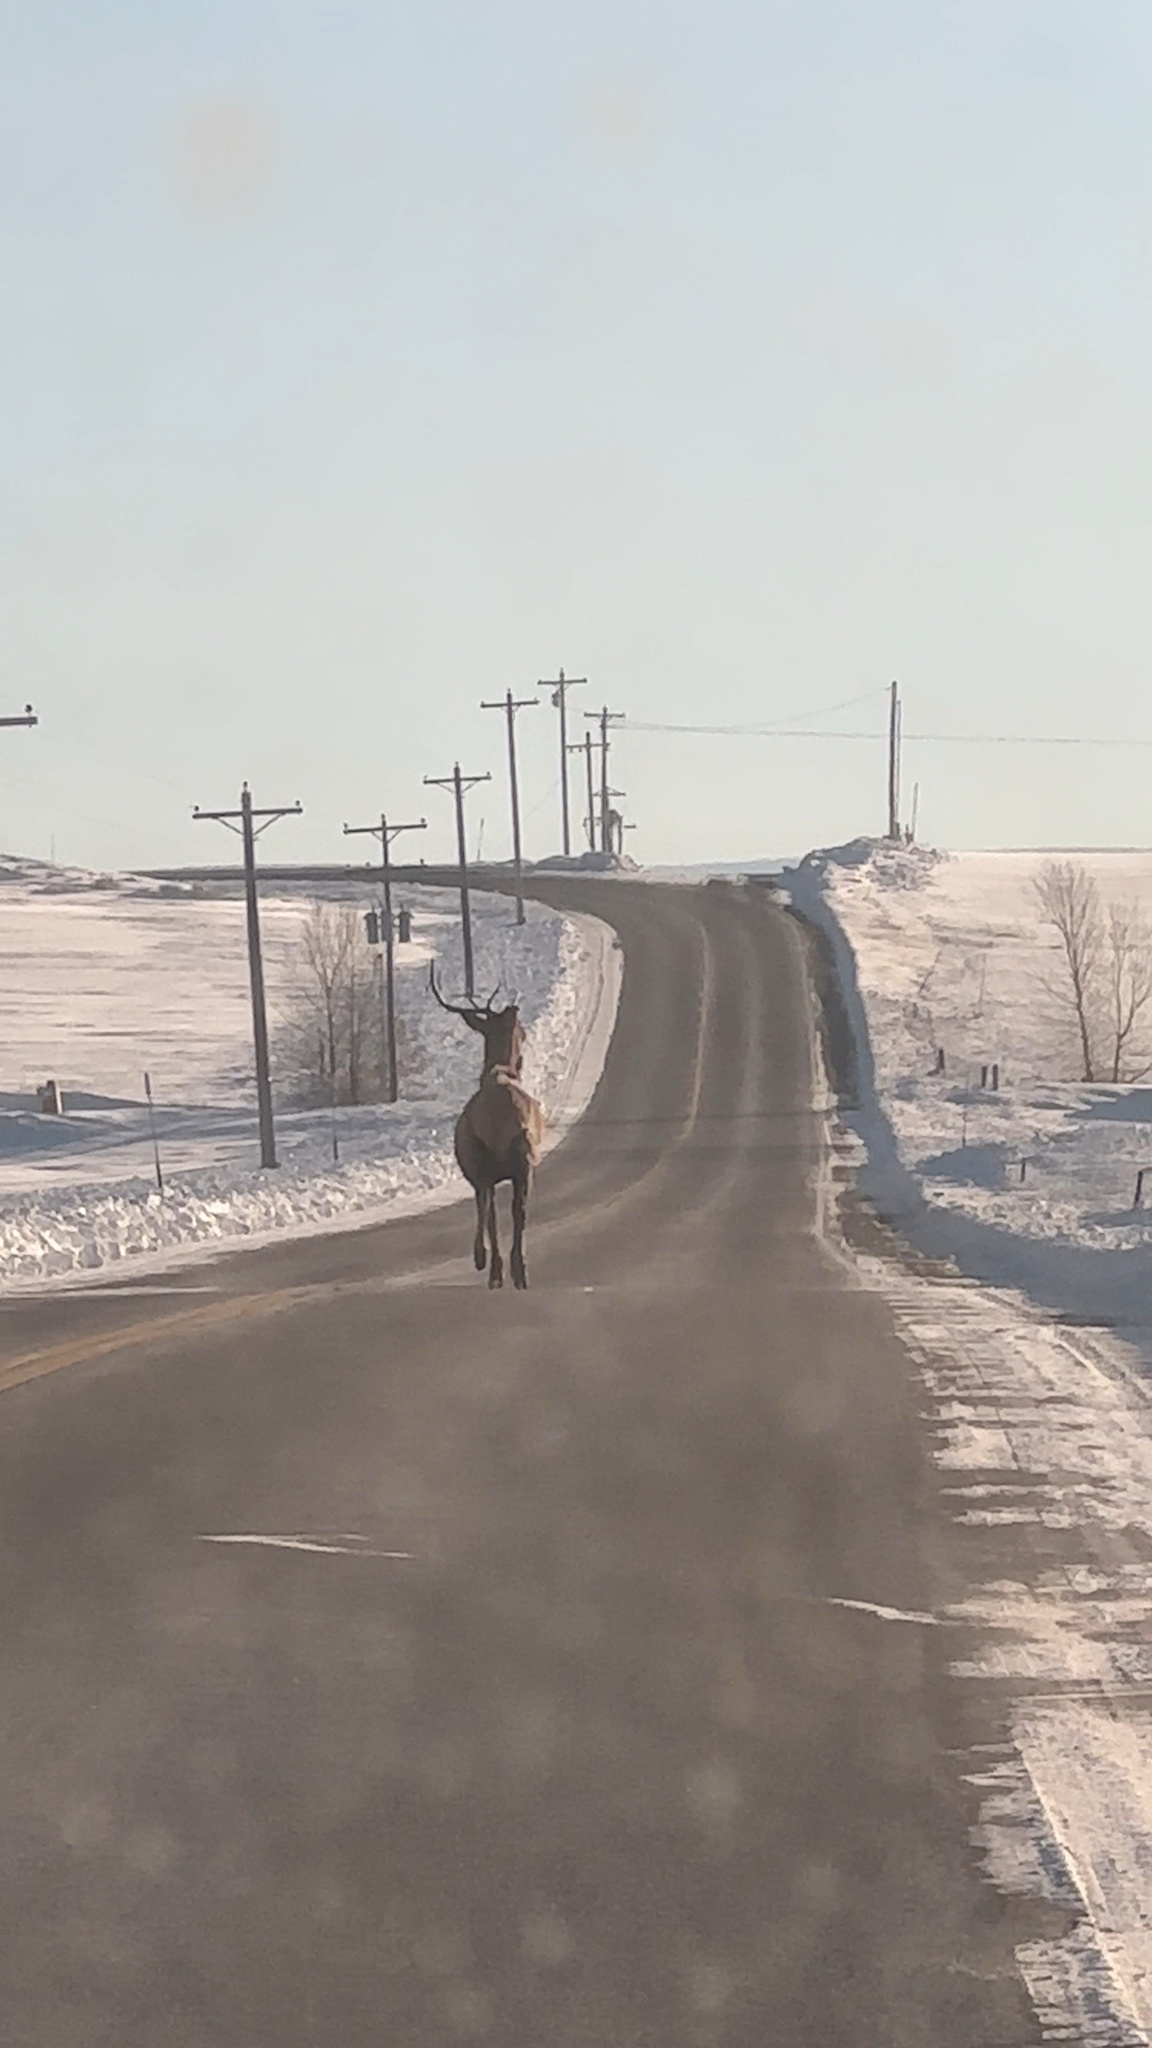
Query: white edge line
(888, 1613)
(352, 1548)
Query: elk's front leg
(479, 1254)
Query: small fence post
(152, 1128)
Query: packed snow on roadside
(103, 978)
(1047, 1465)
(1044, 1431)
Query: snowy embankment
(1044, 1431)
(103, 980)
(1030, 1184)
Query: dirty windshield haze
(575, 1024)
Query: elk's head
(501, 1030)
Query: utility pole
(510, 705)
(604, 718)
(459, 785)
(616, 823)
(244, 822)
(386, 833)
(26, 717)
(560, 689)
(894, 762)
(584, 747)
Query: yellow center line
(34, 1365)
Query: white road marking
(888, 1613)
(345, 1546)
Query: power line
(768, 732)
(547, 797)
(952, 739)
(825, 711)
(1021, 739)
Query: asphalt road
(555, 1734)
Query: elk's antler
(461, 1009)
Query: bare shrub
(1070, 902)
(1102, 989)
(1127, 981)
(330, 1039)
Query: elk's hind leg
(520, 1184)
(479, 1251)
(495, 1263)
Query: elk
(499, 1131)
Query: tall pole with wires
(27, 717)
(460, 785)
(585, 747)
(894, 762)
(510, 705)
(244, 822)
(560, 689)
(604, 718)
(616, 823)
(386, 833)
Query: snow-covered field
(104, 978)
(1044, 1429)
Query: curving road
(540, 1724)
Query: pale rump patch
(501, 1113)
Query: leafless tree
(1128, 964)
(325, 945)
(330, 1038)
(360, 1013)
(1070, 902)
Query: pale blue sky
(358, 361)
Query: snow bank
(1030, 1185)
(99, 986)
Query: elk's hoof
(479, 1257)
(496, 1275)
(519, 1273)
